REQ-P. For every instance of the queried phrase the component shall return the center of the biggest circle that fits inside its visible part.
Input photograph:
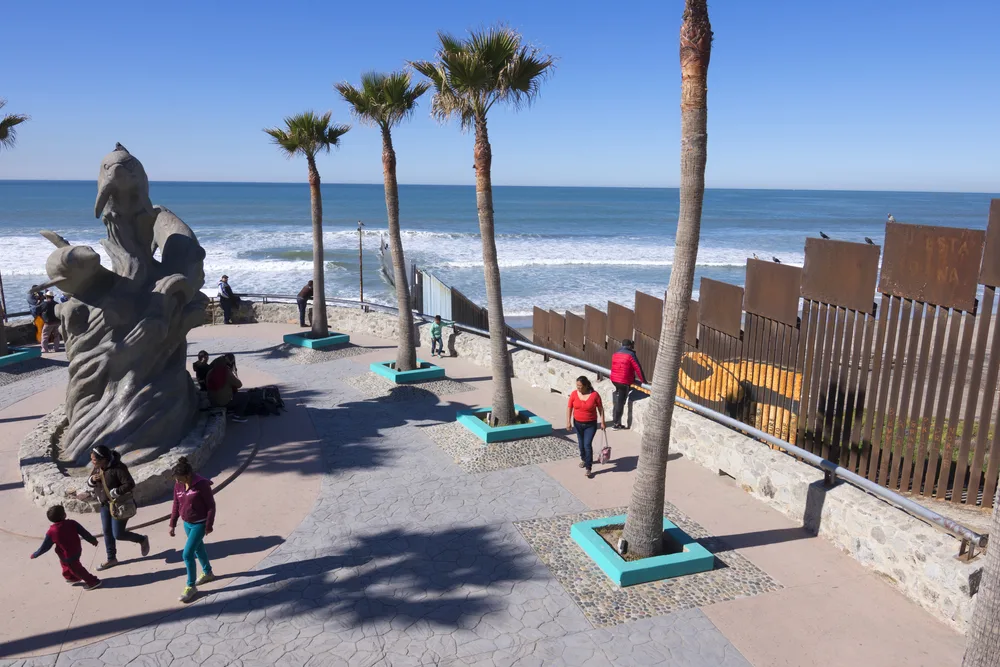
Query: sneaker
(582, 464)
(72, 582)
(239, 420)
(617, 427)
(206, 578)
(144, 547)
(190, 593)
(96, 584)
(108, 564)
(590, 475)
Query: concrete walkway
(354, 539)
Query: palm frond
(523, 75)
(8, 135)
(307, 133)
(383, 100)
(490, 66)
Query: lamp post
(361, 262)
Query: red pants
(75, 571)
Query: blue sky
(830, 95)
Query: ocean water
(559, 248)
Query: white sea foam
(548, 271)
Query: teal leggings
(195, 547)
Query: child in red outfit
(65, 534)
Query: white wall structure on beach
(437, 296)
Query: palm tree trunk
(644, 526)
(406, 351)
(319, 324)
(982, 648)
(503, 392)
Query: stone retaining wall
(916, 558)
(20, 333)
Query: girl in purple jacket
(194, 504)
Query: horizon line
(471, 185)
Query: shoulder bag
(123, 507)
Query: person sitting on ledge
(200, 368)
(223, 384)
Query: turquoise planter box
(424, 371)
(18, 354)
(535, 428)
(303, 340)
(691, 559)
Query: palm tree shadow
(443, 576)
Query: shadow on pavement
(439, 576)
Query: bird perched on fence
(776, 260)
(891, 219)
(824, 236)
(869, 241)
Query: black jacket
(118, 478)
(47, 311)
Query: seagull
(824, 236)
(755, 256)
(869, 241)
(776, 260)
(891, 219)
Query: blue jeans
(301, 303)
(116, 529)
(437, 344)
(195, 548)
(585, 432)
(227, 310)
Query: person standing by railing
(227, 299)
(625, 370)
(305, 294)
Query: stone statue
(126, 329)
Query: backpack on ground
(272, 400)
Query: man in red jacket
(625, 370)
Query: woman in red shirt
(581, 414)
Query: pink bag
(605, 456)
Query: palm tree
(384, 101)
(308, 134)
(644, 525)
(469, 77)
(8, 137)
(983, 639)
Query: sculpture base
(49, 481)
(304, 339)
(19, 354)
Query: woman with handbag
(582, 412)
(112, 484)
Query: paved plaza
(365, 530)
